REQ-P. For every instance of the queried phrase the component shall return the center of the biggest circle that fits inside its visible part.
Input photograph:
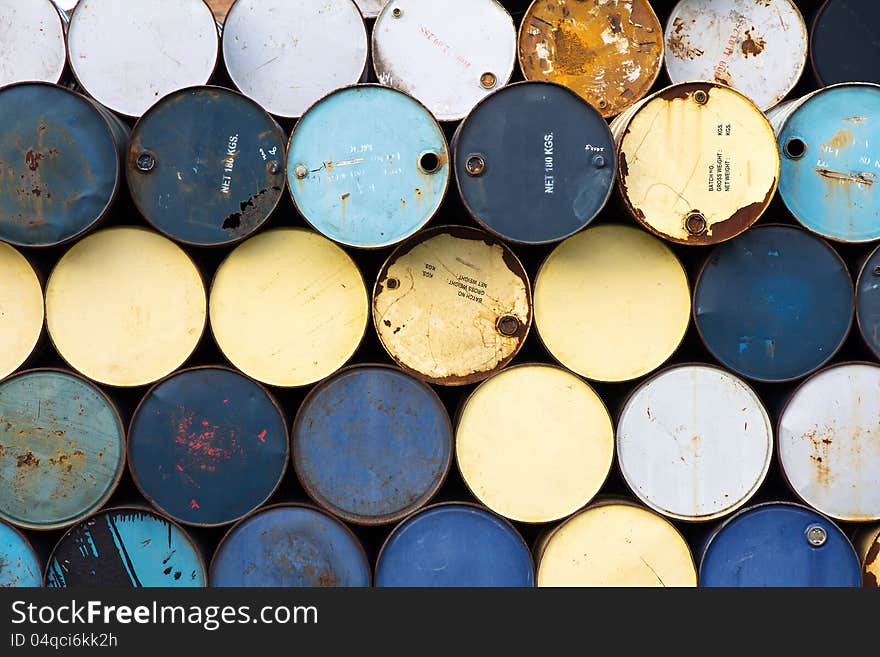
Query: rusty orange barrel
(866, 541)
(21, 565)
(33, 42)
(21, 309)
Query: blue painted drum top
(779, 545)
(843, 42)
(830, 162)
(207, 446)
(125, 547)
(372, 444)
(59, 164)
(19, 564)
(455, 545)
(62, 449)
(773, 304)
(534, 162)
(205, 166)
(868, 302)
(368, 166)
(290, 546)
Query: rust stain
(870, 578)
(855, 119)
(820, 445)
(862, 178)
(752, 45)
(26, 460)
(841, 139)
(32, 159)
(679, 43)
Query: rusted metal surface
(21, 310)
(32, 35)
(866, 541)
(608, 51)
(452, 305)
(19, 564)
(843, 42)
(220, 8)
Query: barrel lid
(775, 304)
(33, 42)
(220, 182)
(534, 163)
(612, 303)
(128, 55)
(207, 446)
(779, 544)
(534, 443)
(59, 164)
(290, 546)
(868, 302)
(286, 55)
(125, 547)
(372, 444)
(452, 305)
(305, 294)
(694, 442)
(758, 48)
(870, 557)
(21, 309)
(370, 182)
(21, 565)
(829, 442)
(370, 8)
(455, 545)
(843, 43)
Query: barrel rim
(41, 335)
(875, 350)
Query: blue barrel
(372, 444)
(868, 302)
(290, 546)
(455, 545)
(62, 449)
(205, 166)
(774, 304)
(123, 548)
(843, 42)
(19, 564)
(207, 446)
(368, 166)
(534, 162)
(60, 165)
(830, 162)
(779, 545)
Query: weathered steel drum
(205, 166)
(290, 546)
(868, 302)
(843, 44)
(125, 548)
(62, 449)
(21, 310)
(370, 182)
(60, 164)
(867, 544)
(19, 564)
(32, 35)
(779, 545)
(207, 446)
(534, 163)
(455, 545)
(372, 444)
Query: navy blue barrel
(774, 304)
(372, 444)
(455, 545)
(205, 166)
(534, 162)
(843, 42)
(868, 302)
(19, 564)
(123, 548)
(290, 546)
(60, 163)
(207, 446)
(779, 545)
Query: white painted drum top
(32, 38)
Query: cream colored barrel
(21, 309)
(534, 443)
(866, 541)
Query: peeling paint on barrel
(866, 541)
(19, 564)
(21, 310)
(32, 35)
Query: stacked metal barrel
(460, 293)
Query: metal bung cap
(21, 310)
(21, 565)
(33, 42)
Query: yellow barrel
(615, 543)
(21, 310)
(609, 52)
(288, 307)
(698, 162)
(867, 543)
(534, 443)
(125, 306)
(452, 305)
(612, 303)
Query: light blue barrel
(19, 564)
(368, 166)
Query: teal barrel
(19, 564)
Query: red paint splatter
(225, 401)
(262, 435)
(179, 468)
(202, 449)
(194, 505)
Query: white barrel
(31, 42)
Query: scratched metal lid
(21, 310)
(290, 546)
(830, 147)
(697, 163)
(205, 166)
(286, 55)
(32, 35)
(59, 164)
(608, 52)
(867, 544)
(62, 449)
(128, 55)
(829, 442)
(125, 548)
(370, 8)
(774, 304)
(868, 302)
(368, 166)
(758, 48)
(534, 163)
(207, 446)
(448, 54)
(452, 305)
(21, 565)
(843, 42)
